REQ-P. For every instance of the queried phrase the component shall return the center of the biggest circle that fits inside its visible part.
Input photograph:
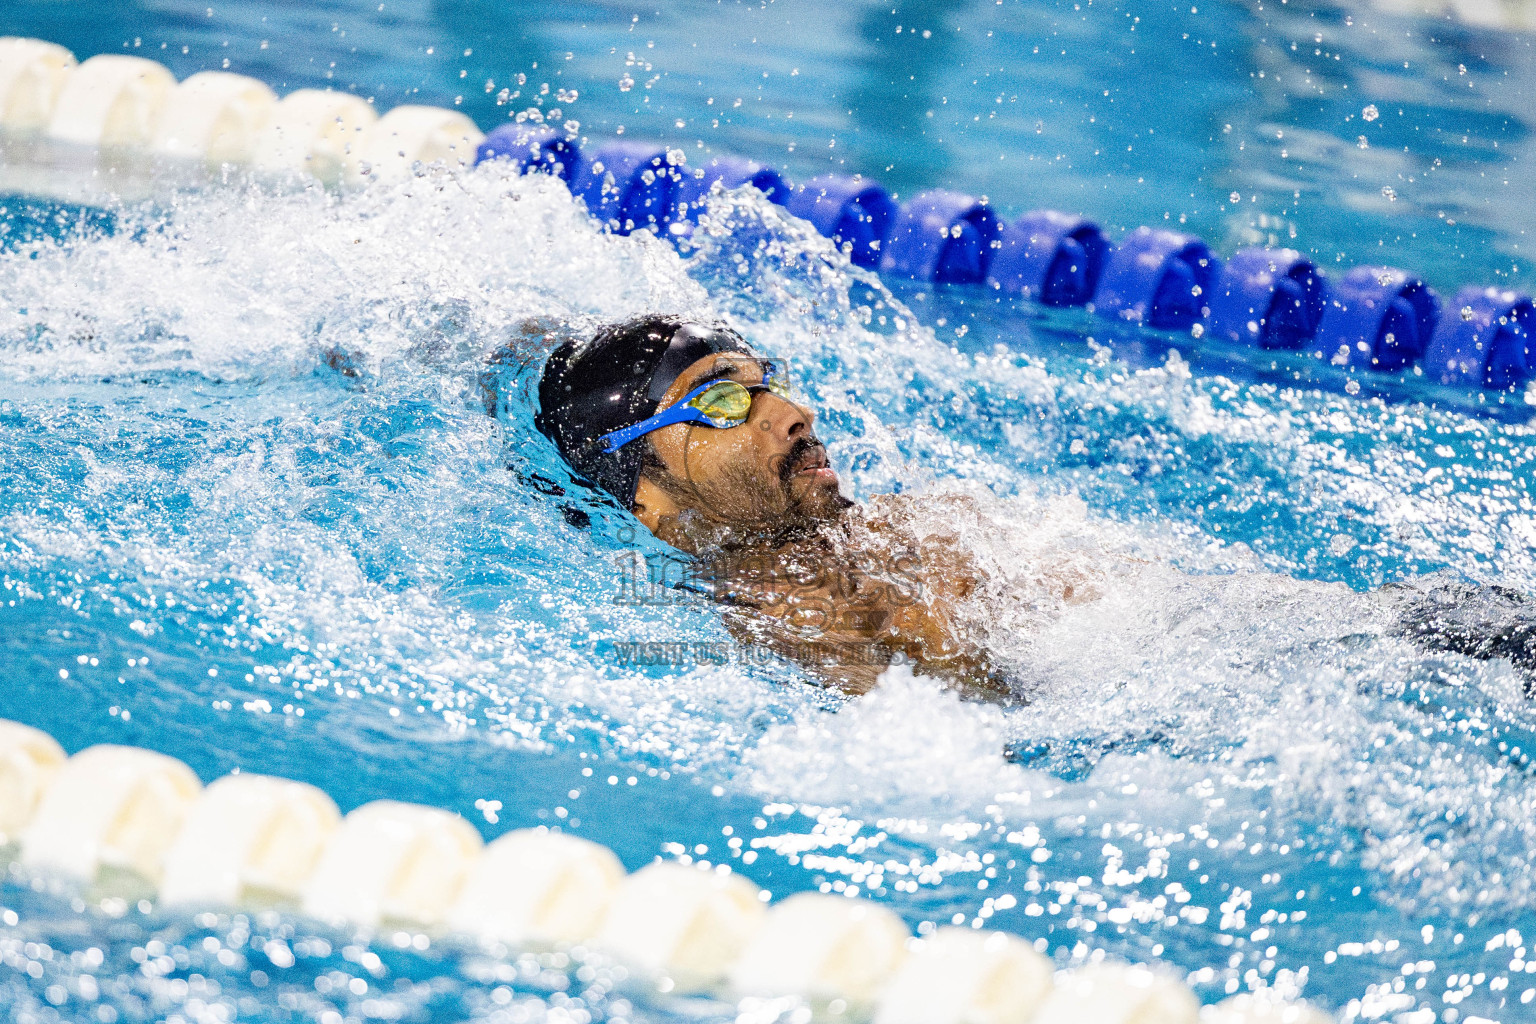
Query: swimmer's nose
(785, 419)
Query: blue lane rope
(1380, 318)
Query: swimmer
(710, 447)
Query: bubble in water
(1236, 197)
(1466, 313)
(1387, 191)
(1196, 330)
(626, 83)
(1370, 113)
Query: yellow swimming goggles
(720, 404)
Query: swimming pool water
(214, 545)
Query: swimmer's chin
(817, 483)
(817, 496)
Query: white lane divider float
(533, 887)
(392, 862)
(681, 924)
(314, 132)
(410, 135)
(964, 976)
(1119, 994)
(32, 73)
(221, 119)
(122, 816)
(111, 100)
(249, 840)
(825, 948)
(110, 808)
(1253, 1008)
(214, 117)
(29, 759)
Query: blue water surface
(215, 544)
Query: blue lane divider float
(530, 148)
(1158, 278)
(629, 185)
(1483, 340)
(1268, 298)
(941, 236)
(852, 211)
(1379, 318)
(729, 172)
(1054, 258)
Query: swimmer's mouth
(813, 464)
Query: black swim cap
(616, 379)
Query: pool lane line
(1375, 318)
(119, 819)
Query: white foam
(32, 74)
(203, 295)
(215, 117)
(111, 100)
(941, 743)
(110, 807)
(248, 838)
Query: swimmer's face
(768, 473)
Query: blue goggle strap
(682, 412)
(679, 412)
